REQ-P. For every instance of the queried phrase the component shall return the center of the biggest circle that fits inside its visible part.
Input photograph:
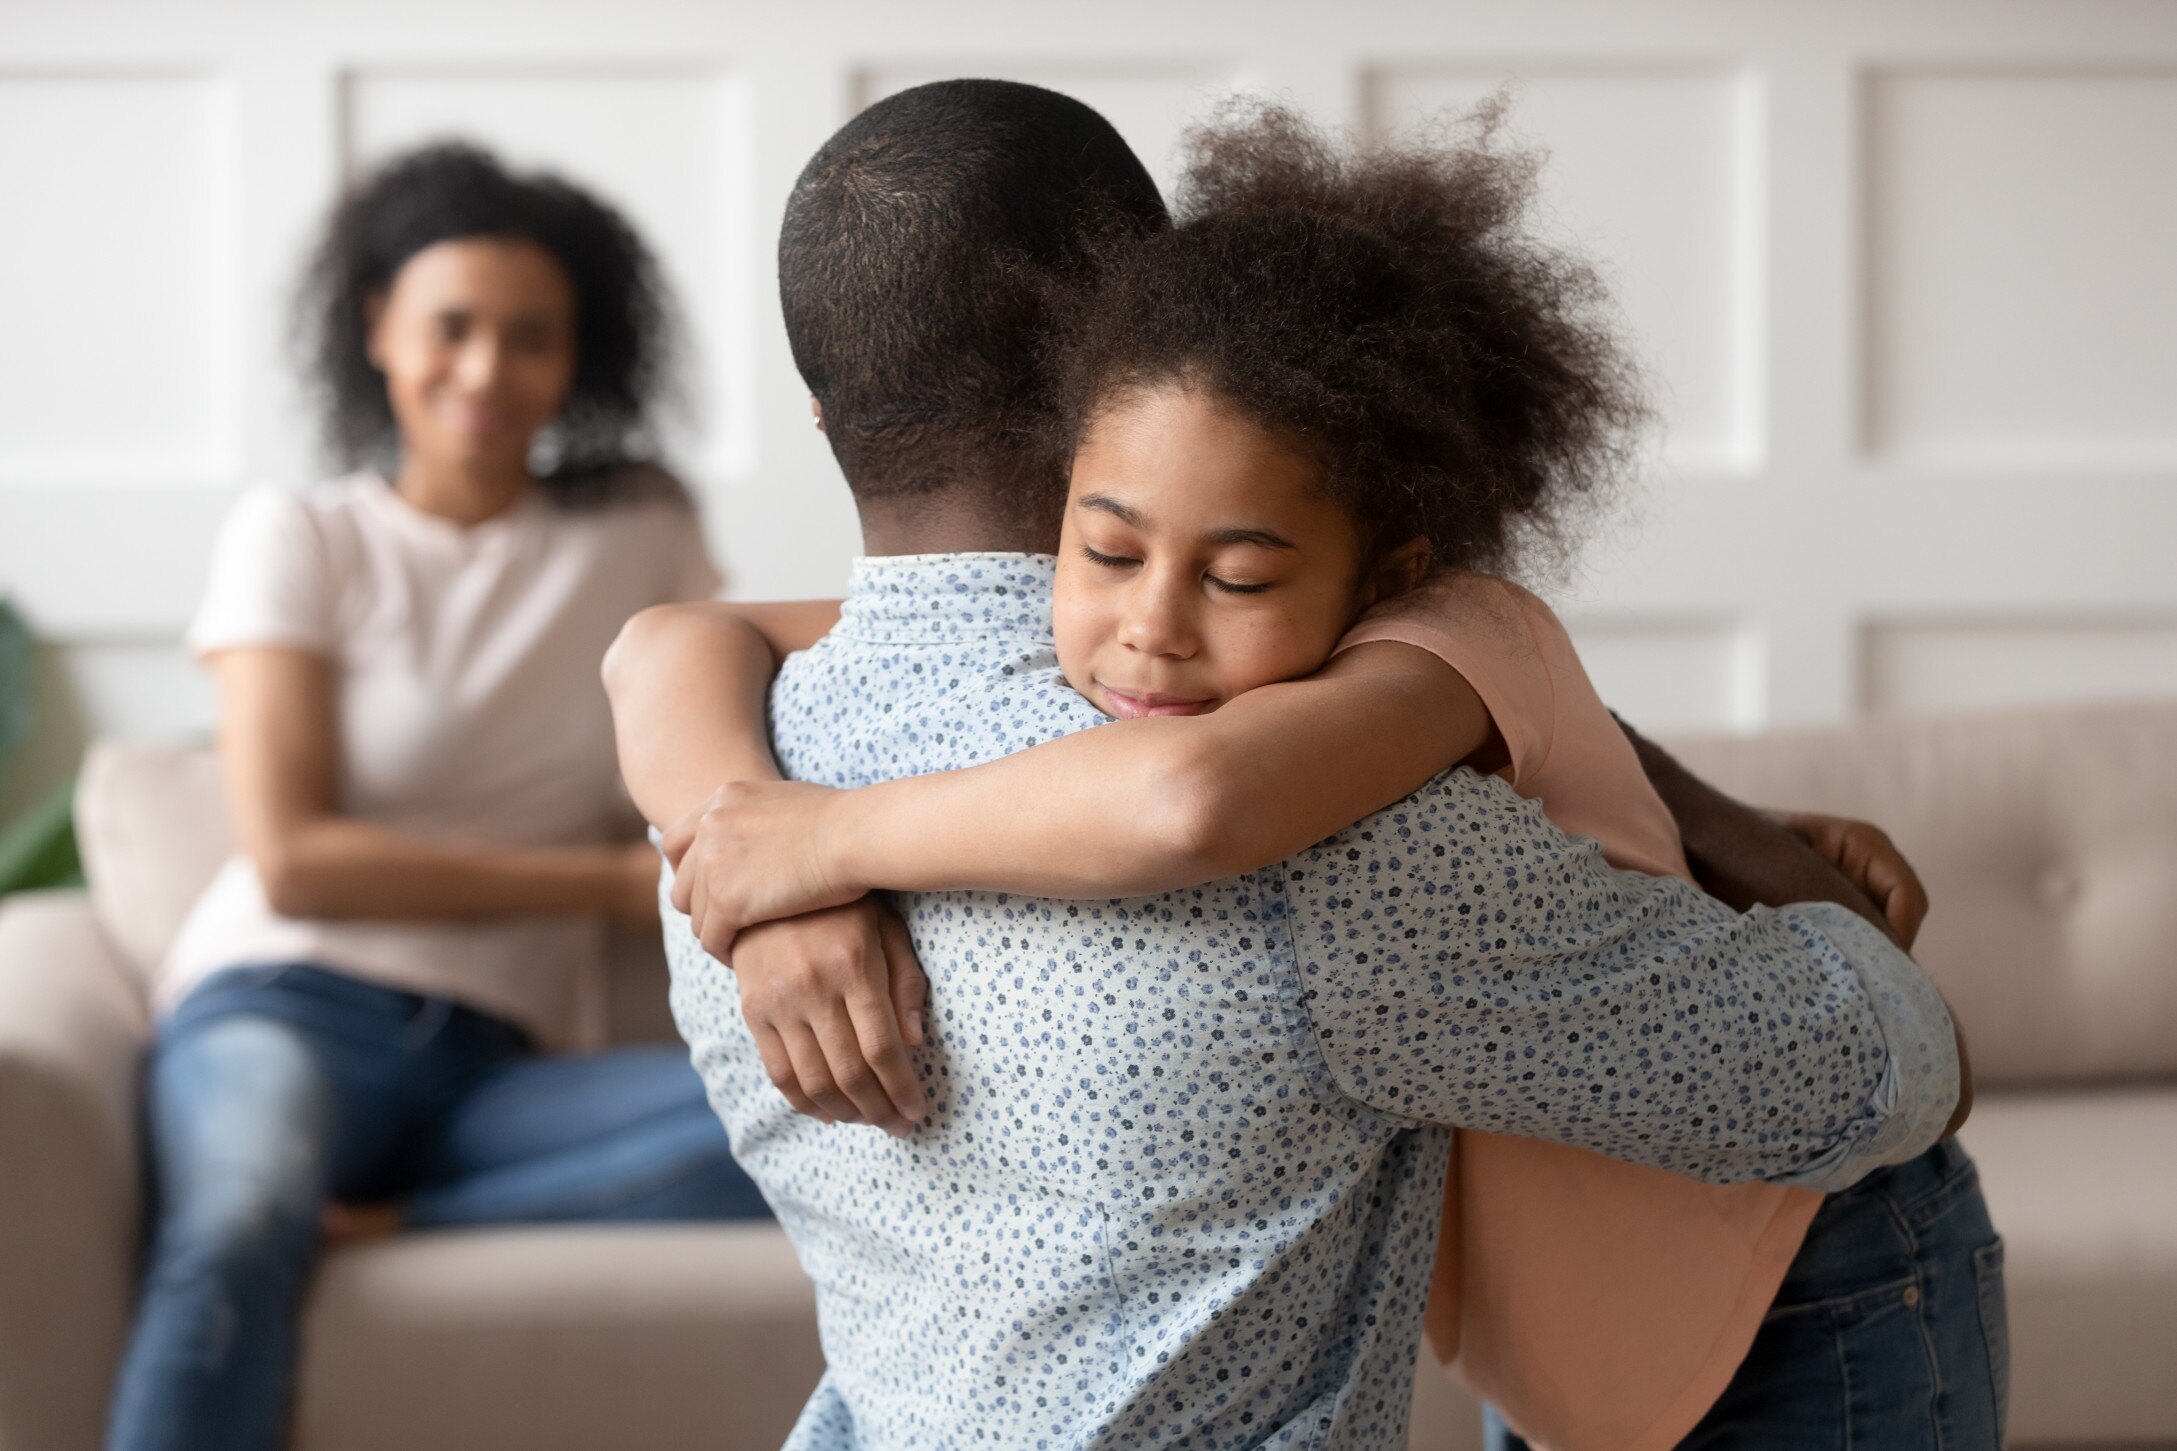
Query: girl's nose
(1156, 621)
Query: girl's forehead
(1176, 455)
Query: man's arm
(1748, 858)
(1466, 963)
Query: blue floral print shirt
(1181, 1179)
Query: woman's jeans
(272, 1090)
(1888, 1333)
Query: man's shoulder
(1459, 829)
(927, 706)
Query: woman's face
(1199, 558)
(476, 339)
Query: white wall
(1903, 268)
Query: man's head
(911, 263)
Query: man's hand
(835, 1000)
(1870, 861)
(755, 851)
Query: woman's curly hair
(626, 349)
(1387, 308)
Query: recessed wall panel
(1650, 173)
(115, 336)
(2022, 304)
(1150, 102)
(1911, 666)
(665, 145)
(1674, 675)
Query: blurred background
(1901, 271)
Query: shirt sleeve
(270, 581)
(1463, 962)
(1482, 628)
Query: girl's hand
(834, 1000)
(754, 852)
(1870, 861)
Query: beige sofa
(2049, 842)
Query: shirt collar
(942, 597)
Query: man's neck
(954, 523)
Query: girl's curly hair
(1387, 308)
(604, 438)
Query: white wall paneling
(1699, 674)
(1900, 270)
(2022, 311)
(120, 180)
(1654, 171)
(1963, 664)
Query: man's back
(1179, 1178)
(1135, 1209)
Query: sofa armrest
(72, 1033)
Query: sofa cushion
(575, 1337)
(151, 822)
(2084, 1192)
(2048, 840)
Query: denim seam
(1842, 1305)
(1904, 1219)
(1844, 1374)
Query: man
(1181, 1176)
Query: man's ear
(374, 316)
(1397, 571)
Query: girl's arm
(1144, 806)
(687, 684)
(1130, 808)
(279, 749)
(833, 999)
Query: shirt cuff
(1918, 1089)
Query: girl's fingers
(814, 1074)
(779, 1066)
(852, 1074)
(910, 985)
(885, 1052)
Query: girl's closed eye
(1109, 561)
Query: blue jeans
(1888, 1333)
(273, 1089)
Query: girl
(1310, 424)
(363, 1006)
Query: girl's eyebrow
(1267, 538)
(1128, 514)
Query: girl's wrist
(847, 821)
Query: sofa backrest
(151, 823)
(2048, 842)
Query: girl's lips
(1127, 706)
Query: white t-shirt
(469, 711)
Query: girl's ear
(1397, 572)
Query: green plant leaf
(38, 848)
(17, 660)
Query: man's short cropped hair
(917, 248)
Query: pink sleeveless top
(1600, 1305)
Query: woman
(364, 1006)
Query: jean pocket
(1995, 1327)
